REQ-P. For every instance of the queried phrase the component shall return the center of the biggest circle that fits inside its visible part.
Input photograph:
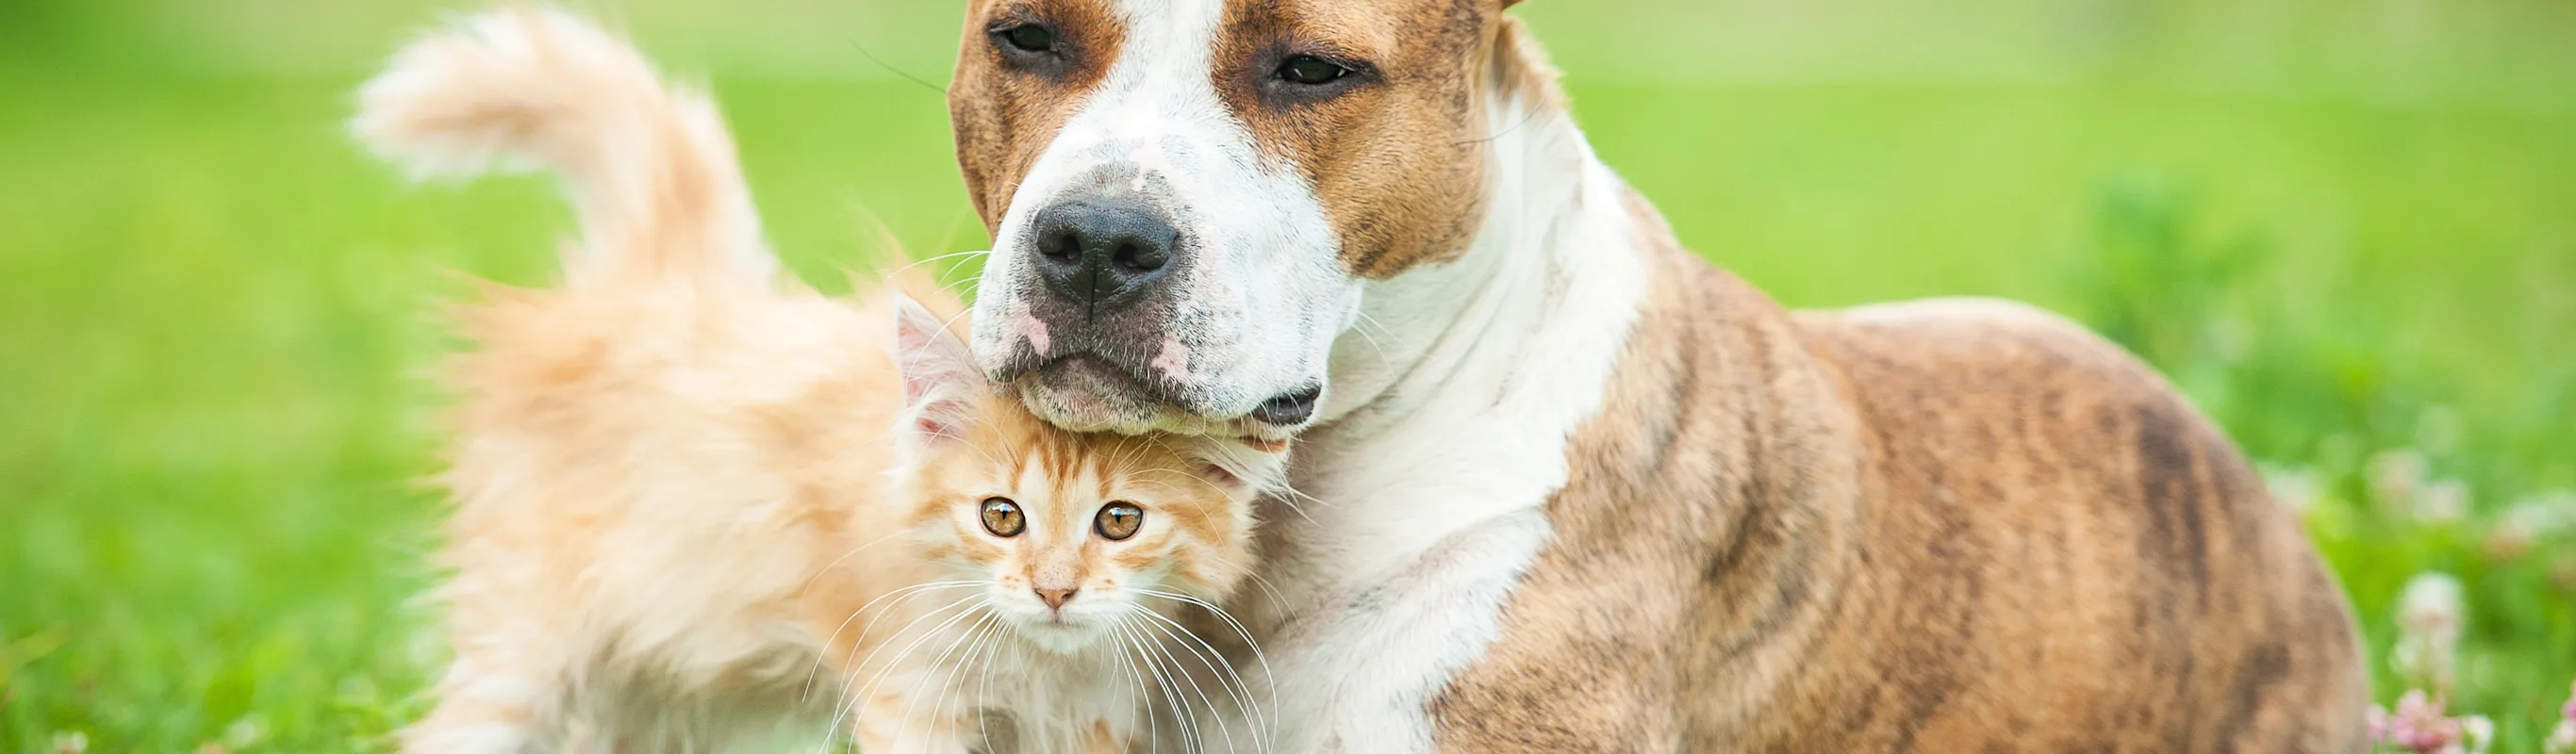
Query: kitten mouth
(1056, 633)
(1053, 622)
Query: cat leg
(922, 734)
(1100, 739)
(900, 717)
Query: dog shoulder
(1948, 324)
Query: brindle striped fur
(1935, 527)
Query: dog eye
(1029, 37)
(1118, 521)
(1311, 71)
(1002, 517)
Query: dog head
(1187, 197)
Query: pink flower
(2418, 726)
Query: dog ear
(940, 381)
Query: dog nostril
(1139, 258)
(1061, 248)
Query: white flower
(2298, 489)
(2530, 519)
(2442, 502)
(2543, 514)
(2477, 733)
(243, 733)
(2394, 475)
(70, 742)
(2430, 614)
(2562, 739)
(2430, 604)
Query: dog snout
(1100, 257)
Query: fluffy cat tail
(650, 168)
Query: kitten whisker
(900, 596)
(983, 681)
(914, 590)
(1288, 495)
(1231, 682)
(891, 662)
(1365, 322)
(1240, 630)
(1191, 738)
(951, 322)
(951, 273)
(1129, 450)
(1137, 690)
(1278, 600)
(970, 253)
(895, 661)
(1201, 691)
(981, 657)
(1301, 494)
(827, 567)
(913, 695)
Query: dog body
(1564, 487)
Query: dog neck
(1455, 391)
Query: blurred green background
(2346, 227)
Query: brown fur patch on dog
(1397, 155)
(1005, 113)
(1960, 527)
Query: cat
(698, 506)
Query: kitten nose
(1055, 598)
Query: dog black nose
(1102, 256)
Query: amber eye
(1002, 517)
(1030, 37)
(1118, 521)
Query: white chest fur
(1423, 498)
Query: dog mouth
(1089, 391)
(1290, 409)
(1086, 374)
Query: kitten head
(1070, 532)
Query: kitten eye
(1311, 71)
(1002, 517)
(1029, 37)
(1118, 521)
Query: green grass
(214, 312)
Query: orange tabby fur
(697, 504)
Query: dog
(1566, 487)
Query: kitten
(697, 505)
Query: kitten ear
(1250, 464)
(940, 380)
